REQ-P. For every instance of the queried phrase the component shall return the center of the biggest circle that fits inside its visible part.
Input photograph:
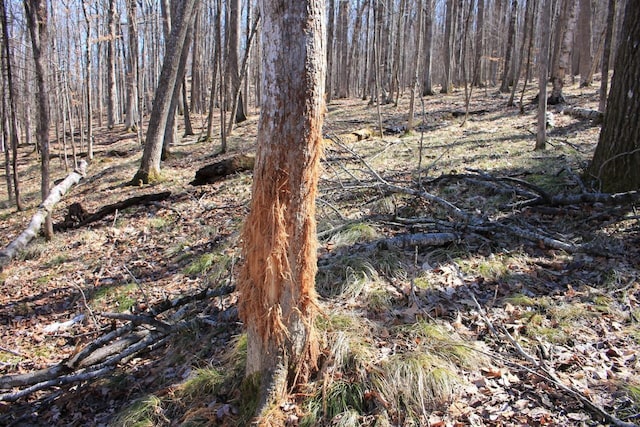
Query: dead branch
(138, 320)
(118, 206)
(45, 209)
(584, 113)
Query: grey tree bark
(149, 170)
(543, 73)
(37, 15)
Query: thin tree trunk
(37, 17)
(112, 96)
(149, 170)
(446, 52)
(132, 67)
(478, 77)
(543, 74)
(511, 36)
(518, 70)
(604, 81)
(416, 67)
(12, 119)
(89, 86)
(427, 85)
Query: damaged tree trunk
(43, 211)
(277, 297)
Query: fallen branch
(115, 207)
(45, 209)
(584, 113)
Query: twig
(138, 320)
(137, 282)
(8, 350)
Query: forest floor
(502, 307)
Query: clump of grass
(57, 260)
(145, 412)
(521, 300)
(341, 400)
(347, 276)
(442, 343)
(200, 265)
(359, 232)
(120, 296)
(202, 382)
(415, 383)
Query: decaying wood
(43, 211)
(584, 113)
(80, 217)
(349, 137)
(219, 170)
(102, 355)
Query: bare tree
(511, 37)
(12, 120)
(427, 85)
(112, 97)
(562, 64)
(584, 42)
(276, 283)
(608, 45)
(36, 12)
(446, 52)
(149, 170)
(543, 73)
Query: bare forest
(320, 213)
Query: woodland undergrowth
(464, 279)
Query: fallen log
(217, 171)
(56, 193)
(584, 113)
(78, 217)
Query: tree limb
(56, 193)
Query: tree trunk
(112, 97)
(604, 82)
(233, 61)
(132, 66)
(427, 84)
(416, 67)
(564, 55)
(330, 49)
(37, 17)
(616, 161)
(543, 74)
(584, 41)
(12, 119)
(511, 36)
(149, 170)
(446, 51)
(478, 76)
(89, 86)
(276, 283)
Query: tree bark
(477, 67)
(604, 82)
(276, 283)
(615, 165)
(446, 51)
(564, 55)
(44, 211)
(543, 73)
(132, 66)
(584, 41)
(37, 17)
(12, 119)
(511, 36)
(149, 170)
(427, 85)
(112, 97)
